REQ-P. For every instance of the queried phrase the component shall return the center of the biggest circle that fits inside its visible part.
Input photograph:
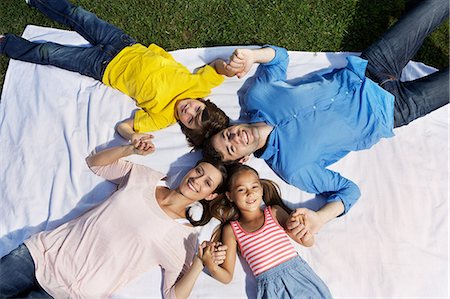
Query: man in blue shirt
(301, 128)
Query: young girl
(141, 225)
(165, 90)
(261, 237)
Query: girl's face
(246, 191)
(189, 112)
(200, 182)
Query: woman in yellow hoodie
(164, 90)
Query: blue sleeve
(319, 180)
(275, 69)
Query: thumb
(299, 211)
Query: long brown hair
(225, 210)
(206, 215)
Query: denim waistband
(273, 273)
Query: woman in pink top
(261, 236)
(141, 225)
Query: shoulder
(228, 232)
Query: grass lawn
(304, 25)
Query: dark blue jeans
(389, 55)
(17, 276)
(106, 39)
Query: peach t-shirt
(99, 252)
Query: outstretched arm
(242, 60)
(298, 221)
(313, 221)
(110, 155)
(183, 287)
(125, 129)
(223, 272)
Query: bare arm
(220, 66)
(184, 285)
(110, 155)
(125, 129)
(242, 60)
(284, 219)
(315, 220)
(223, 272)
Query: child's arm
(223, 272)
(242, 60)
(220, 66)
(286, 221)
(125, 129)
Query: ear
(244, 159)
(227, 194)
(211, 196)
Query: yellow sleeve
(210, 77)
(145, 122)
(160, 51)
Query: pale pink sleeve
(113, 172)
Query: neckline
(258, 229)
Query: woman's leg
(87, 24)
(17, 274)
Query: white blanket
(393, 243)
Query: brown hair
(214, 120)
(206, 215)
(225, 210)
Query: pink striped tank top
(266, 247)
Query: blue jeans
(389, 55)
(106, 39)
(17, 276)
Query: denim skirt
(291, 279)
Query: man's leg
(17, 273)
(414, 99)
(87, 24)
(388, 56)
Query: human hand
(220, 253)
(302, 221)
(142, 144)
(212, 253)
(241, 62)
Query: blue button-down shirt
(316, 122)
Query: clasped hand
(142, 143)
(212, 253)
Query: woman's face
(246, 191)
(200, 182)
(189, 112)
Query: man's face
(189, 112)
(236, 142)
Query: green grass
(308, 25)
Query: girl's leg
(90, 61)
(388, 56)
(17, 273)
(87, 24)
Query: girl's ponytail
(272, 194)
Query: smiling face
(189, 112)
(200, 182)
(236, 142)
(246, 191)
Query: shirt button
(360, 81)
(332, 100)
(295, 115)
(314, 107)
(346, 92)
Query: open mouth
(191, 185)
(245, 137)
(251, 201)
